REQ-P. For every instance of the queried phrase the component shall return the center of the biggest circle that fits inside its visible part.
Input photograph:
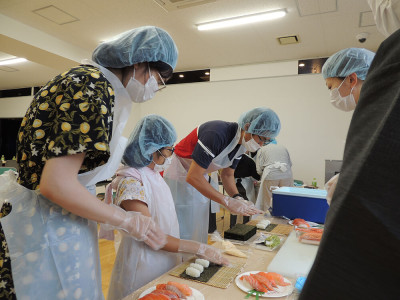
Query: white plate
(280, 291)
(312, 224)
(195, 296)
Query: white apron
(191, 206)
(54, 253)
(136, 263)
(248, 184)
(122, 109)
(260, 197)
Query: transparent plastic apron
(261, 192)
(54, 253)
(191, 206)
(136, 263)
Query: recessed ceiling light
(181, 75)
(207, 73)
(301, 65)
(241, 20)
(11, 61)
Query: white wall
(312, 129)
(14, 107)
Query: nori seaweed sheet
(205, 275)
(240, 232)
(270, 227)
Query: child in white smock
(140, 188)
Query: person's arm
(172, 244)
(228, 181)
(195, 177)
(177, 245)
(59, 183)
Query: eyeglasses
(171, 150)
(262, 139)
(163, 86)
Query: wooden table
(258, 260)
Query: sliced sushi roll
(205, 263)
(197, 266)
(192, 272)
(263, 224)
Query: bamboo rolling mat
(274, 228)
(221, 279)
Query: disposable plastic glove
(204, 251)
(330, 187)
(239, 206)
(140, 227)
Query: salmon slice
(170, 294)
(301, 223)
(152, 296)
(263, 280)
(161, 286)
(269, 277)
(176, 291)
(185, 289)
(278, 278)
(254, 283)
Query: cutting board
(294, 258)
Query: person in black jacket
(359, 254)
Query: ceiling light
(207, 73)
(246, 19)
(301, 65)
(11, 61)
(181, 75)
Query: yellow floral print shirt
(72, 113)
(130, 188)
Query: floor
(107, 250)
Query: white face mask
(141, 93)
(251, 145)
(346, 103)
(164, 166)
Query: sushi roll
(263, 224)
(192, 272)
(197, 266)
(205, 263)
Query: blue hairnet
(143, 44)
(151, 133)
(348, 61)
(263, 121)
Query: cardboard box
(293, 202)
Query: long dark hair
(164, 69)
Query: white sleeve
(386, 14)
(261, 161)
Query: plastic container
(260, 242)
(293, 202)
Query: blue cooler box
(293, 202)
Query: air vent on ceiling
(366, 19)
(287, 40)
(170, 5)
(315, 7)
(7, 69)
(55, 15)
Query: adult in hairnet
(70, 139)
(141, 189)
(365, 206)
(344, 73)
(386, 14)
(215, 145)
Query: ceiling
(51, 46)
